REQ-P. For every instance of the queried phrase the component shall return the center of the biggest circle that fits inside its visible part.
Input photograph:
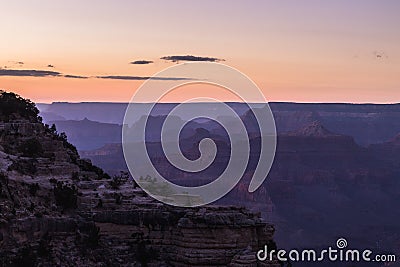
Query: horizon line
(227, 102)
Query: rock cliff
(57, 209)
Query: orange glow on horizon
(320, 52)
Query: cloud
(191, 58)
(141, 78)
(29, 73)
(46, 73)
(141, 62)
(36, 73)
(380, 54)
(75, 76)
(16, 62)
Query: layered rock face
(59, 210)
(320, 181)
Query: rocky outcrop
(57, 209)
(315, 137)
(314, 129)
(322, 177)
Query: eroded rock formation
(59, 210)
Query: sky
(297, 51)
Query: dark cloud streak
(16, 62)
(36, 73)
(191, 58)
(46, 73)
(141, 62)
(75, 76)
(141, 78)
(29, 73)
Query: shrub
(33, 188)
(66, 195)
(31, 148)
(118, 198)
(94, 236)
(118, 180)
(11, 103)
(25, 257)
(86, 165)
(24, 166)
(75, 176)
(100, 203)
(91, 235)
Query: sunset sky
(302, 51)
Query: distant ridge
(367, 123)
(315, 129)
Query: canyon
(58, 209)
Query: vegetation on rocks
(13, 106)
(66, 195)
